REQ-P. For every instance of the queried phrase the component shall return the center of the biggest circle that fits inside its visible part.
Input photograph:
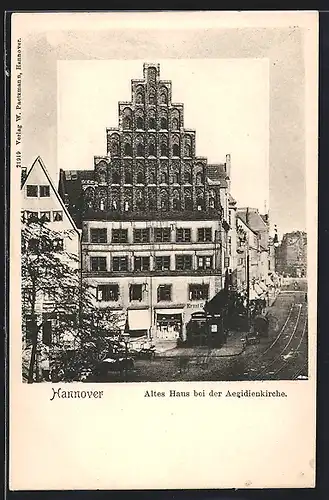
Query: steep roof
(252, 218)
(70, 188)
(39, 161)
(217, 175)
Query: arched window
(152, 151)
(89, 196)
(164, 148)
(152, 123)
(140, 97)
(188, 199)
(140, 201)
(152, 178)
(164, 201)
(115, 148)
(175, 150)
(164, 123)
(152, 96)
(199, 178)
(188, 146)
(140, 149)
(212, 199)
(152, 204)
(127, 122)
(164, 178)
(128, 150)
(127, 201)
(115, 205)
(127, 119)
(187, 176)
(128, 176)
(175, 124)
(176, 200)
(140, 178)
(140, 122)
(200, 200)
(176, 177)
(163, 96)
(115, 177)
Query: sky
(243, 89)
(225, 100)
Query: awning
(139, 319)
(169, 312)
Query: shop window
(164, 293)
(162, 263)
(142, 263)
(32, 191)
(119, 235)
(204, 234)
(108, 293)
(98, 263)
(98, 235)
(44, 192)
(162, 234)
(198, 292)
(120, 263)
(136, 292)
(183, 235)
(142, 235)
(183, 262)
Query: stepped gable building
(153, 214)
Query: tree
(54, 295)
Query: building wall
(181, 301)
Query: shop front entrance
(168, 326)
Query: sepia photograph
(149, 254)
(163, 248)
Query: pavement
(232, 347)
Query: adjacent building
(153, 214)
(291, 254)
(40, 200)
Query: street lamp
(126, 338)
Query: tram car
(206, 330)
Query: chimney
(228, 166)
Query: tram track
(286, 330)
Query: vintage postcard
(163, 250)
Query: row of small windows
(127, 123)
(160, 263)
(151, 98)
(163, 177)
(47, 216)
(152, 146)
(143, 235)
(36, 191)
(152, 150)
(165, 202)
(139, 291)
